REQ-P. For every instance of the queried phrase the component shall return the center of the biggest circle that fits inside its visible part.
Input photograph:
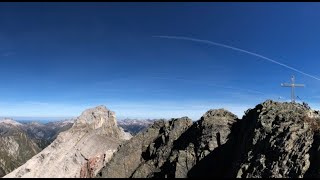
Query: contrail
(238, 49)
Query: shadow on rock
(220, 161)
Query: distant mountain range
(20, 141)
(135, 125)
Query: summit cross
(292, 85)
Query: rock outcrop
(80, 151)
(146, 152)
(272, 140)
(170, 148)
(275, 140)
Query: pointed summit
(80, 151)
(97, 117)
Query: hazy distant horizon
(177, 112)
(30, 118)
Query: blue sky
(58, 59)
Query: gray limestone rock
(80, 151)
(170, 148)
(275, 141)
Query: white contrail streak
(238, 49)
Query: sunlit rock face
(80, 151)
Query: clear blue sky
(58, 59)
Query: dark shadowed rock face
(200, 140)
(314, 152)
(2, 173)
(272, 140)
(214, 127)
(146, 152)
(171, 148)
(275, 141)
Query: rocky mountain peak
(216, 117)
(79, 151)
(275, 140)
(219, 113)
(97, 117)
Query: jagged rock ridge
(275, 141)
(170, 148)
(272, 140)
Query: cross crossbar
(292, 85)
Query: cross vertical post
(292, 85)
